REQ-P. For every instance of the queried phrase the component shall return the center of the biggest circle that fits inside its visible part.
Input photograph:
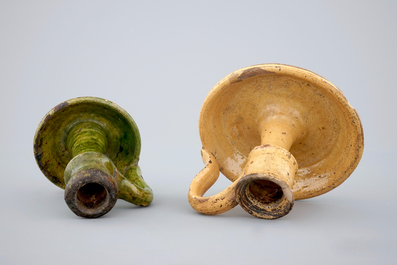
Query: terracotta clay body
(90, 147)
(281, 134)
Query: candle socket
(265, 189)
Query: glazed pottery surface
(90, 147)
(274, 130)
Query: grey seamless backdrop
(158, 60)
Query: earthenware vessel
(90, 147)
(280, 133)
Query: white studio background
(158, 61)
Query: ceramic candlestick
(90, 147)
(280, 133)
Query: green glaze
(51, 146)
(85, 137)
(131, 186)
(139, 193)
(89, 139)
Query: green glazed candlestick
(90, 147)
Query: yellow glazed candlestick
(281, 134)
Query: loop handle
(216, 204)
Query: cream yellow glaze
(275, 107)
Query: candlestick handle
(133, 188)
(216, 204)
